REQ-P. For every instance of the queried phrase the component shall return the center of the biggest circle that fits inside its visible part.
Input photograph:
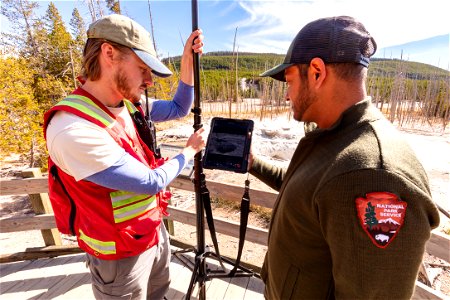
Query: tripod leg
(198, 275)
(192, 283)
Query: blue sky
(269, 26)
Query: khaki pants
(145, 276)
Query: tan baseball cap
(124, 31)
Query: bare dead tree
(152, 28)
(95, 9)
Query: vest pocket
(290, 282)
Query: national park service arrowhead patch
(381, 215)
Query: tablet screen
(228, 145)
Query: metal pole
(197, 117)
(198, 171)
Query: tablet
(228, 145)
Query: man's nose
(286, 96)
(148, 80)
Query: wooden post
(41, 205)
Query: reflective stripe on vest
(97, 245)
(127, 205)
(130, 106)
(88, 107)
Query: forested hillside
(387, 80)
(41, 59)
(250, 62)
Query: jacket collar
(361, 112)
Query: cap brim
(158, 68)
(277, 72)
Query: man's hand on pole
(193, 44)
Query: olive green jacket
(318, 247)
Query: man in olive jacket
(354, 209)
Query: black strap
(146, 128)
(73, 208)
(245, 209)
(204, 193)
(151, 126)
(146, 131)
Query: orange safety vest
(110, 224)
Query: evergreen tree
(78, 29)
(59, 41)
(370, 216)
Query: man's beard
(303, 101)
(124, 88)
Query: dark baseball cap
(335, 40)
(124, 31)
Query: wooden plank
(222, 225)
(237, 288)
(180, 276)
(229, 192)
(16, 282)
(77, 272)
(23, 186)
(216, 189)
(217, 288)
(81, 290)
(45, 276)
(13, 267)
(254, 234)
(40, 252)
(62, 276)
(25, 223)
(39, 201)
(65, 285)
(439, 245)
(423, 292)
(255, 289)
(41, 205)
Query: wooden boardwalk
(67, 277)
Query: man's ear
(108, 53)
(317, 72)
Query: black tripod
(200, 271)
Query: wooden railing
(36, 186)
